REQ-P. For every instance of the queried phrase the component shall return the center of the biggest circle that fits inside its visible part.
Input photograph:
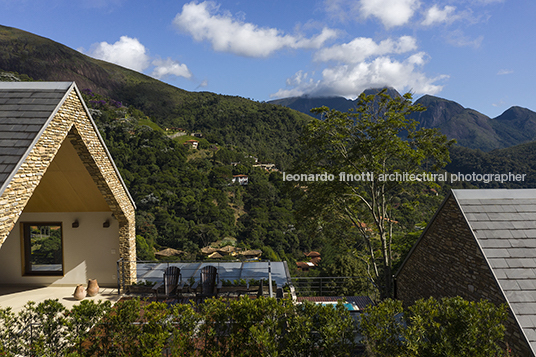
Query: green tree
(382, 329)
(446, 327)
(372, 143)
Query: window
(43, 251)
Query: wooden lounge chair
(209, 283)
(172, 282)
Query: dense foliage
(368, 153)
(185, 198)
(266, 130)
(446, 327)
(245, 327)
(520, 159)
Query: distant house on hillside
(169, 252)
(197, 135)
(251, 253)
(241, 179)
(312, 263)
(481, 244)
(305, 266)
(268, 166)
(314, 256)
(66, 214)
(191, 144)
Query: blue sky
(479, 53)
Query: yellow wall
(89, 251)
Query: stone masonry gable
(68, 120)
(449, 260)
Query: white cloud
(503, 72)
(127, 52)
(164, 68)
(351, 79)
(435, 15)
(131, 53)
(362, 48)
(390, 12)
(228, 34)
(459, 39)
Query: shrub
(244, 327)
(446, 327)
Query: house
(168, 252)
(314, 260)
(305, 266)
(228, 250)
(251, 253)
(208, 250)
(241, 179)
(191, 143)
(481, 244)
(215, 255)
(265, 165)
(314, 257)
(65, 213)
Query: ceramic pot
(92, 287)
(79, 292)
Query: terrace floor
(17, 296)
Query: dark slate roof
(504, 225)
(25, 109)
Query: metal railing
(332, 286)
(303, 286)
(230, 273)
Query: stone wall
(72, 121)
(448, 262)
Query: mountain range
(269, 130)
(470, 128)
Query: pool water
(347, 305)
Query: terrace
(18, 296)
(236, 277)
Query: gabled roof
(53, 159)
(504, 225)
(26, 109)
(169, 252)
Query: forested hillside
(186, 198)
(520, 159)
(268, 131)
